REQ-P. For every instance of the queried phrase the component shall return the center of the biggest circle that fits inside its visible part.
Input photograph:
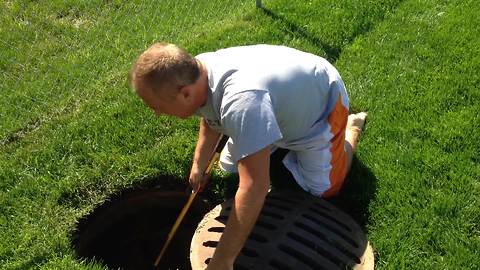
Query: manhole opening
(128, 232)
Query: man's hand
(198, 180)
(207, 139)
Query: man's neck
(202, 84)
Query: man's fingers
(193, 184)
(198, 185)
(203, 183)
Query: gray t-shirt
(263, 94)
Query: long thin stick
(179, 220)
(175, 226)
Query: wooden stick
(179, 220)
(175, 226)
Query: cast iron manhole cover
(294, 231)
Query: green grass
(72, 133)
(417, 76)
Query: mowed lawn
(72, 133)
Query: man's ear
(186, 93)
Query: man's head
(167, 79)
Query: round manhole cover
(294, 231)
(128, 232)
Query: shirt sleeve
(248, 118)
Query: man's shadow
(354, 197)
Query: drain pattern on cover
(293, 231)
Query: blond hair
(164, 66)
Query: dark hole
(324, 237)
(257, 237)
(249, 252)
(271, 214)
(129, 231)
(265, 225)
(316, 248)
(301, 257)
(282, 199)
(278, 206)
(216, 229)
(279, 265)
(238, 266)
(222, 218)
(339, 223)
(207, 261)
(210, 243)
(319, 205)
(335, 230)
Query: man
(263, 97)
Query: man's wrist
(197, 164)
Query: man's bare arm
(207, 140)
(253, 187)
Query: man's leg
(343, 162)
(354, 128)
(322, 171)
(226, 162)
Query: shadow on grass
(332, 52)
(358, 191)
(354, 198)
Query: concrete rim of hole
(293, 234)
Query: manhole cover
(294, 231)
(128, 232)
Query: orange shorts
(321, 170)
(338, 123)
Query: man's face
(164, 105)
